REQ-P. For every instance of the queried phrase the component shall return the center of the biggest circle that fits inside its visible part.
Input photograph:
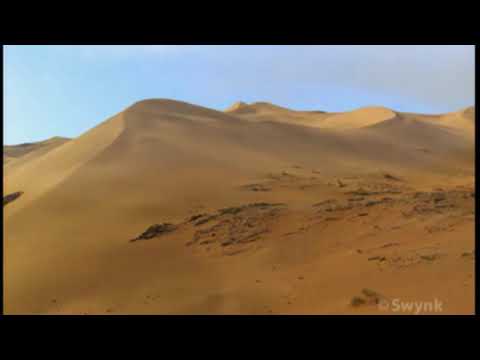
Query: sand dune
(17, 151)
(57, 164)
(349, 120)
(263, 111)
(469, 113)
(260, 209)
(26, 153)
(256, 108)
(359, 118)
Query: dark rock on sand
(237, 209)
(155, 230)
(391, 177)
(196, 217)
(205, 219)
(11, 197)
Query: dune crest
(173, 208)
(238, 106)
(17, 151)
(359, 118)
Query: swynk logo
(411, 307)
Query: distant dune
(263, 111)
(359, 118)
(258, 209)
(17, 155)
(16, 151)
(469, 113)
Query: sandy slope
(21, 150)
(359, 118)
(354, 186)
(16, 156)
(57, 164)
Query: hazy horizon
(66, 90)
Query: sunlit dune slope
(264, 111)
(17, 151)
(67, 238)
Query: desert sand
(19, 151)
(172, 208)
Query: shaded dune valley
(172, 208)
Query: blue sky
(66, 90)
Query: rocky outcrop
(155, 230)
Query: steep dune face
(57, 164)
(247, 180)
